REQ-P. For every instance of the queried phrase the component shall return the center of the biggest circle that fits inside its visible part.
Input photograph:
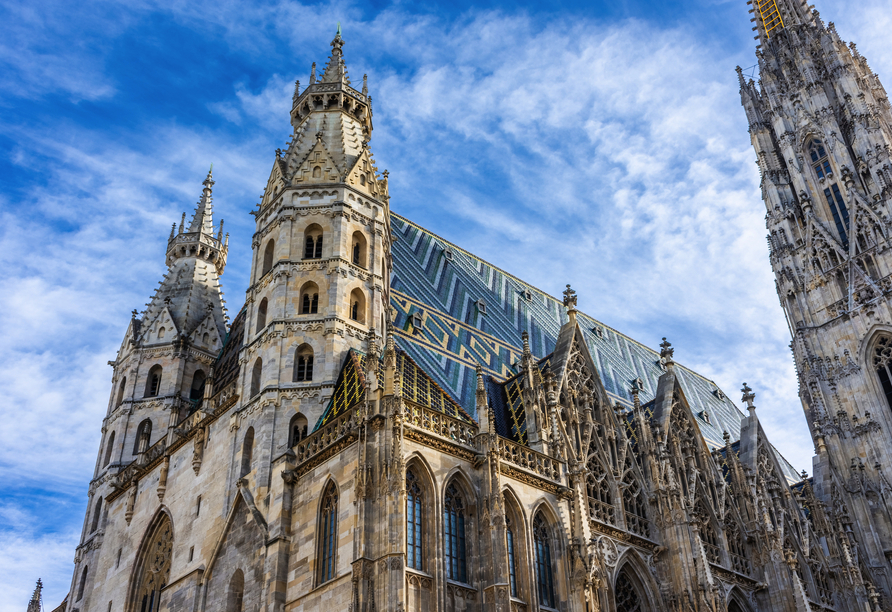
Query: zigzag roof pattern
(437, 289)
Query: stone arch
(256, 374)
(425, 523)
(261, 316)
(151, 571)
(120, 399)
(359, 249)
(247, 453)
(235, 592)
(874, 351)
(309, 298)
(153, 381)
(297, 429)
(327, 531)
(736, 601)
(109, 449)
(196, 389)
(357, 306)
(632, 572)
(517, 545)
(269, 252)
(313, 241)
(304, 358)
(143, 437)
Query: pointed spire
(296, 92)
(203, 220)
(313, 74)
(36, 603)
(365, 84)
(336, 70)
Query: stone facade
(311, 456)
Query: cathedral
(390, 423)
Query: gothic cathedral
(390, 423)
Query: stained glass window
(454, 525)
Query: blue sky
(595, 143)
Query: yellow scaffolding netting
(770, 15)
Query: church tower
(319, 278)
(820, 123)
(160, 369)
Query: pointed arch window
(153, 382)
(359, 249)
(512, 556)
(357, 306)
(309, 298)
(196, 389)
(261, 316)
(454, 532)
(544, 571)
(414, 517)
(600, 501)
(328, 534)
(707, 533)
(819, 159)
(120, 399)
(82, 584)
(256, 373)
(109, 449)
(153, 571)
(303, 363)
(268, 253)
(736, 549)
(97, 514)
(882, 363)
(143, 437)
(633, 505)
(628, 599)
(236, 594)
(247, 452)
(313, 242)
(839, 211)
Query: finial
(726, 437)
(527, 354)
(740, 77)
(339, 30)
(133, 313)
(313, 74)
(220, 233)
(173, 227)
(569, 297)
(365, 84)
(667, 353)
(748, 397)
(804, 475)
(479, 369)
(296, 92)
(182, 222)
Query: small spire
(173, 229)
(740, 77)
(296, 92)
(666, 353)
(313, 74)
(365, 84)
(203, 220)
(748, 397)
(36, 603)
(336, 71)
(570, 302)
(182, 222)
(220, 233)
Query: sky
(595, 143)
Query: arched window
(628, 599)
(414, 534)
(739, 560)
(839, 211)
(268, 253)
(297, 429)
(359, 256)
(819, 160)
(822, 583)
(357, 306)
(236, 592)
(734, 607)
(255, 377)
(317, 172)
(303, 363)
(328, 534)
(143, 437)
(544, 571)
(882, 363)
(120, 399)
(97, 514)
(633, 504)
(153, 382)
(309, 299)
(707, 533)
(247, 452)
(82, 584)
(512, 556)
(261, 316)
(153, 569)
(313, 242)
(454, 531)
(109, 449)
(597, 483)
(196, 391)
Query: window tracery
(155, 571)
(634, 507)
(328, 534)
(882, 364)
(736, 549)
(454, 527)
(627, 597)
(544, 572)
(600, 501)
(414, 509)
(707, 533)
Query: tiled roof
(472, 312)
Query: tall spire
(336, 70)
(36, 603)
(203, 219)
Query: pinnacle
(336, 70)
(203, 220)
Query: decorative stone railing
(326, 436)
(528, 459)
(460, 432)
